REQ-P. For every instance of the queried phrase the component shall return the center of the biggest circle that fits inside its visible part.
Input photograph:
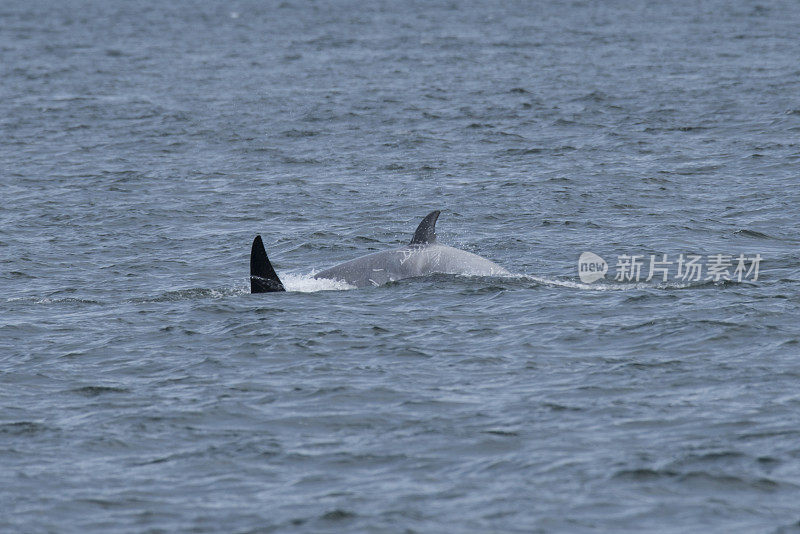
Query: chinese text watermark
(684, 267)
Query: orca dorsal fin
(426, 231)
(263, 278)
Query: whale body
(421, 257)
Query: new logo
(591, 267)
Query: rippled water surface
(144, 144)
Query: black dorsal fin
(426, 231)
(263, 278)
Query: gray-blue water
(144, 144)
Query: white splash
(306, 283)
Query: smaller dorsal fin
(426, 231)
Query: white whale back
(408, 262)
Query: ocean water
(144, 144)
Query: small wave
(296, 134)
(338, 515)
(644, 474)
(699, 479)
(23, 428)
(753, 233)
(194, 293)
(96, 391)
(53, 300)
